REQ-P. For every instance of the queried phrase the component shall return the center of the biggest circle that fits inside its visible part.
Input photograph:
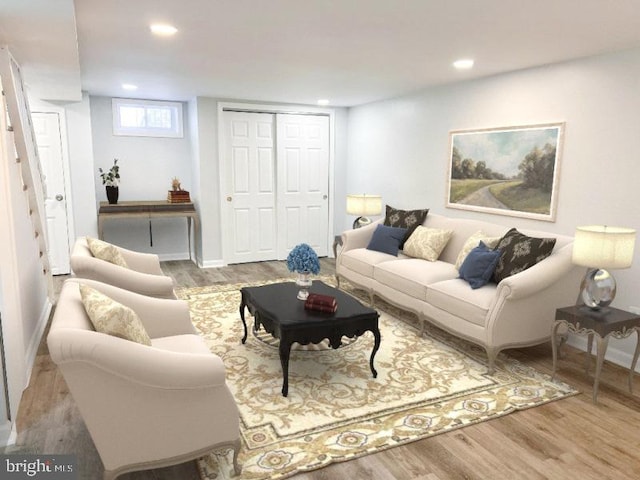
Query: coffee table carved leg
(244, 324)
(376, 346)
(285, 350)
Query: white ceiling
(297, 51)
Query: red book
(319, 299)
(320, 308)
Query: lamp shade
(364, 205)
(599, 246)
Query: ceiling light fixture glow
(163, 29)
(463, 64)
(129, 86)
(323, 102)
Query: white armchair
(144, 407)
(143, 274)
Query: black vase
(112, 194)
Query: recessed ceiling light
(163, 29)
(129, 86)
(323, 102)
(463, 64)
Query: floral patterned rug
(336, 410)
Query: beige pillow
(113, 318)
(427, 243)
(105, 251)
(472, 242)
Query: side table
(602, 324)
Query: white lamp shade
(598, 246)
(363, 205)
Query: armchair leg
(237, 468)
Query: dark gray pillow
(520, 252)
(409, 219)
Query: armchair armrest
(161, 317)
(135, 363)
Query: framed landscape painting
(507, 171)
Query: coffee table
(276, 308)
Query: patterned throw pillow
(105, 251)
(520, 252)
(427, 243)
(409, 219)
(472, 242)
(113, 318)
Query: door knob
(59, 197)
(229, 199)
(324, 197)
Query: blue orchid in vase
(303, 259)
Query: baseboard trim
(36, 338)
(614, 355)
(212, 264)
(165, 257)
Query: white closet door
(303, 182)
(249, 228)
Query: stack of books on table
(178, 196)
(321, 303)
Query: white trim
(284, 108)
(212, 264)
(34, 341)
(177, 119)
(165, 257)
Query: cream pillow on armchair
(427, 243)
(105, 251)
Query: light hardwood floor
(566, 439)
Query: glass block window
(147, 118)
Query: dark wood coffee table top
(276, 308)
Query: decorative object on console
(520, 252)
(598, 247)
(387, 239)
(177, 194)
(304, 261)
(409, 219)
(427, 243)
(363, 205)
(479, 265)
(506, 171)
(110, 180)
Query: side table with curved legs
(601, 324)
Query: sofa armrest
(359, 237)
(161, 317)
(135, 363)
(543, 274)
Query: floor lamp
(598, 247)
(362, 206)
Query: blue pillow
(387, 239)
(477, 269)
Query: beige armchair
(144, 406)
(143, 274)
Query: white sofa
(517, 312)
(144, 406)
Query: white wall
(399, 147)
(147, 166)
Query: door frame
(40, 107)
(274, 109)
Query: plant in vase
(110, 180)
(304, 261)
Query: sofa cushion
(409, 219)
(387, 239)
(363, 261)
(412, 275)
(427, 243)
(520, 252)
(113, 318)
(187, 343)
(459, 299)
(472, 242)
(477, 269)
(105, 251)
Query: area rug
(336, 410)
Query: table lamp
(598, 247)
(363, 205)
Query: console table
(149, 210)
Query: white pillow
(105, 251)
(472, 242)
(427, 243)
